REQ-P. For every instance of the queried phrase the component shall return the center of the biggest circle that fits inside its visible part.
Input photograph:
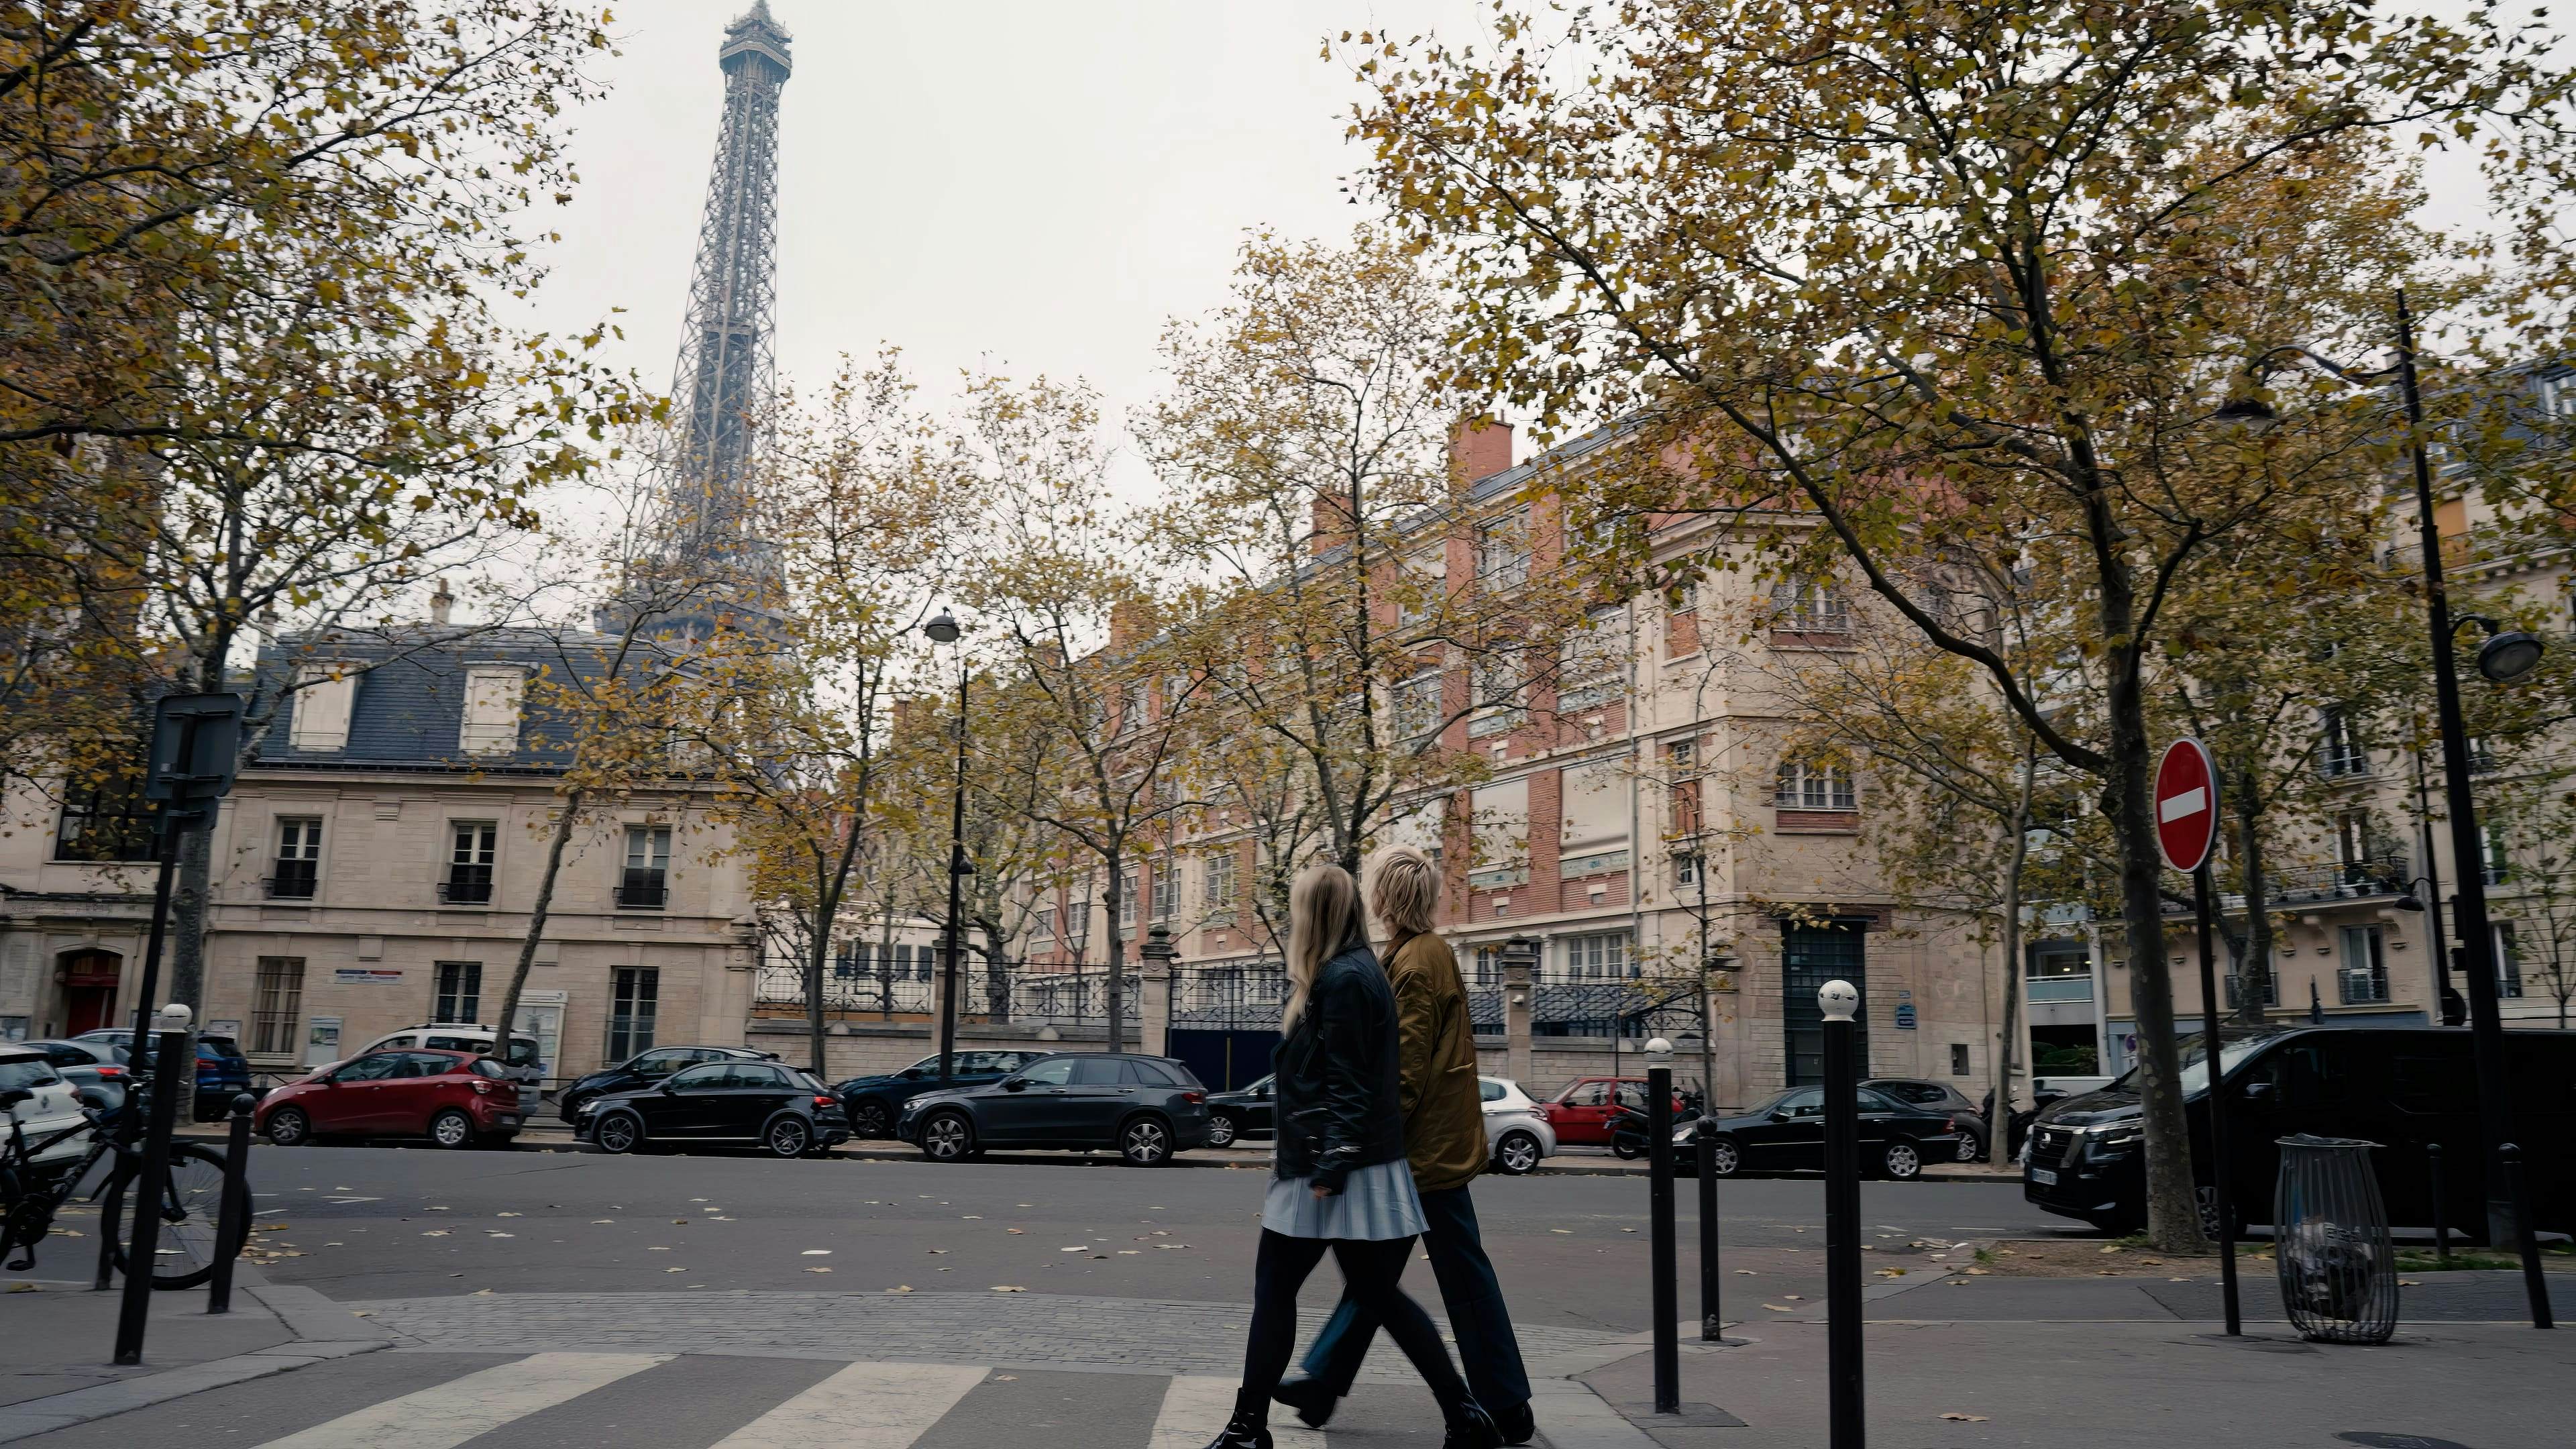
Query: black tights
(1372, 1271)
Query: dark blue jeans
(1487, 1350)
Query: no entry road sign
(2186, 798)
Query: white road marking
(864, 1406)
(448, 1414)
(1194, 1408)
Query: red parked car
(454, 1099)
(1581, 1113)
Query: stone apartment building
(375, 866)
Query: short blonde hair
(1403, 889)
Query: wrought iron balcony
(641, 890)
(293, 880)
(2377, 877)
(466, 885)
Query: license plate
(2043, 1177)
(506, 1121)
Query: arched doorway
(89, 989)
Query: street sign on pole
(2186, 797)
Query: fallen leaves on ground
(1779, 1307)
(1965, 1418)
(1008, 1288)
(900, 1288)
(818, 1270)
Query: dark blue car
(875, 1103)
(222, 1071)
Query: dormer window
(324, 694)
(492, 711)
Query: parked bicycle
(33, 1191)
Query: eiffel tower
(707, 524)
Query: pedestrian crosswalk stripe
(864, 1406)
(1194, 1408)
(448, 1414)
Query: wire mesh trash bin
(2338, 1272)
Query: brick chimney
(1479, 448)
(1131, 622)
(441, 604)
(1332, 517)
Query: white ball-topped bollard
(1839, 1000)
(1659, 1052)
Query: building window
(1593, 669)
(1597, 956)
(1958, 1059)
(648, 868)
(2365, 966)
(2340, 751)
(2236, 987)
(1489, 965)
(1126, 898)
(460, 992)
(1687, 866)
(2058, 972)
(2495, 864)
(1167, 889)
(1817, 608)
(2482, 755)
(1497, 677)
(1042, 924)
(1418, 705)
(470, 849)
(324, 694)
(1131, 706)
(100, 826)
(1805, 786)
(298, 870)
(277, 1005)
(1810, 956)
(1502, 551)
(2508, 961)
(491, 711)
(1077, 923)
(633, 993)
(1220, 885)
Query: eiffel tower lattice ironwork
(722, 385)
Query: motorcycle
(1627, 1134)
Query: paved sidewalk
(60, 1335)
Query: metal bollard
(1667, 1291)
(177, 1053)
(1847, 1421)
(228, 1222)
(1712, 1323)
(2534, 1285)
(2441, 1229)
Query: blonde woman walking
(1339, 1179)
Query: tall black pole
(2220, 1173)
(956, 895)
(1848, 1426)
(1712, 1282)
(176, 1053)
(1659, 1180)
(2469, 906)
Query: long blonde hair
(1403, 890)
(1323, 917)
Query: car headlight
(2117, 1134)
(585, 1109)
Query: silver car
(1515, 1127)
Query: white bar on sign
(2189, 802)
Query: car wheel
(1903, 1161)
(1968, 1149)
(789, 1137)
(1516, 1153)
(452, 1128)
(289, 1127)
(1725, 1159)
(1145, 1142)
(618, 1132)
(2209, 1215)
(869, 1119)
(948, 1137)
(1221, 1130)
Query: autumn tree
(1946, 283)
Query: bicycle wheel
(192, 1200)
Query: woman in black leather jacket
(1339, 1177)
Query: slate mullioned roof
(408, 710)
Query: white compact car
(1515, 1127)
(522, 1066)
(50, 1105)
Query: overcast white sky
(1032, 182)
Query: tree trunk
(2173, 1209)
(564, 821)
(2254, 964)
(1115, 989)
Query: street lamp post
(944, 630)
(2505, 656)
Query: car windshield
(2195, 1052)
(23, 1075)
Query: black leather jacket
(1338, 1085)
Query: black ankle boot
(1470, 1427)
(1242, 1432)
(1517, 1424)
(1312, 1398)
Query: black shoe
(1312, 1398)
(1470, 1427)
(1239, 1435)
(1515, 1422)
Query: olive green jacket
(1444, 1110)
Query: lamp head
(942, 629)
(2508, 656)
(2409, 901)
(1838, 1000)
(2247, 411)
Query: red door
(350, 1101)
(413, 1090)
(89, 990)
(1581, 1113)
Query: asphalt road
(367, 1223)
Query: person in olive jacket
(1338, 1176)
(1444, 1134)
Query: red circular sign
(2186, 797)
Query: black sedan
(1940, 1097)
(1787, 1134)
(1247, 1112)
(875, 1102)
(778, 1107)
(648, 1068)
(1146, 1107)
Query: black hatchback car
(645, 1069)
(1244, 1112)
(1787, 1134)
(778, 1107)
(1940, 1097)
(1146, 1107)
(875, 1102)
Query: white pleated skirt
(1376, 1203)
